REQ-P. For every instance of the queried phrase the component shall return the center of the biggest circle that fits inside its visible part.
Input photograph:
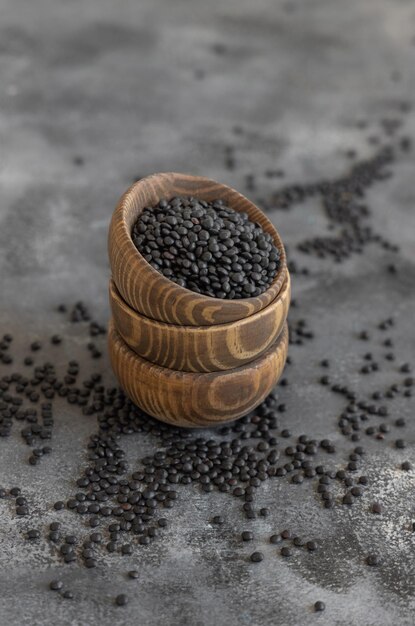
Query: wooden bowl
(196, 400)
(200, 348)
(150, 293)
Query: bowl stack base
(191, 399)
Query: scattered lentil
(56, 585)
(121, 600)
(247, 535)
(286, 551)
(256, 557)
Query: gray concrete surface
(135, 87)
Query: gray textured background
(135, 87)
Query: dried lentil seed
(235, 257)
(56, 585)
(286, 551)
(121, 599)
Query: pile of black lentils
(207, 247)
(124, 507)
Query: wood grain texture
(200, 348)
(149, 292)
(196, 400)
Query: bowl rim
(277, 345)
(170, 177)
(182, 328)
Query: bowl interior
(148, 191)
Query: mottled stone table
(97, 93)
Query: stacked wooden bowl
(185, 358)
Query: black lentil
(70, 539)
(298, 541)
(207, 247)
(121, 600)
(286, 551)
(256, 557)
(247, 535)
(54, 536)
(56, 585)
(22, 510)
